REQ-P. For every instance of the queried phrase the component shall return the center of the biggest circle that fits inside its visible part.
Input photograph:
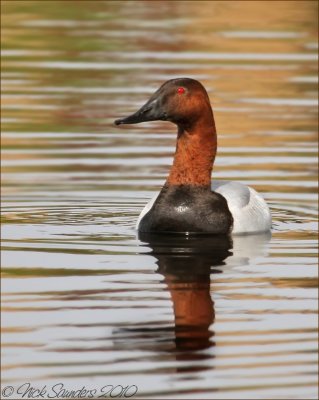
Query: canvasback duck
(190, 202)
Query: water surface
(88, 303)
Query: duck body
(186, 208)
(237, 209)
(189, 201)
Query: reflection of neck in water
(193, 310)
(186, 263)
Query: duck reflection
(186, 263)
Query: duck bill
(131, 119)
(149, 112)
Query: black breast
(186, 208)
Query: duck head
(181, 101)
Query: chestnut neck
(195, 153)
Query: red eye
(180, 90)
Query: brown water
(85, 302)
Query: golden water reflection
(83, 298)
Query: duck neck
(195, 153)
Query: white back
(250, 212)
